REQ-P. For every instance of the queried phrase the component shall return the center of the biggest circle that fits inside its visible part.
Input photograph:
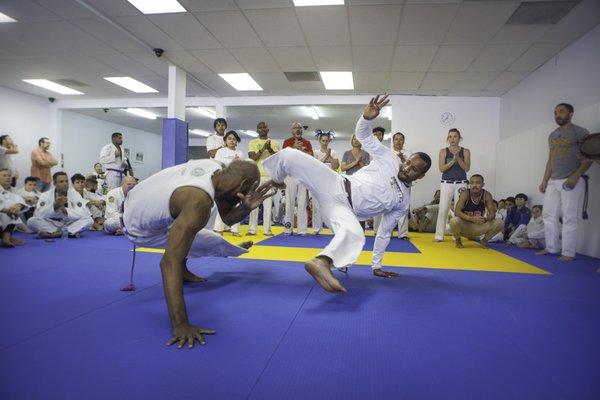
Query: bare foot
(542, 253)
(384, 274)
(236, 234)
(268, 233)
(246, 245)
(438, 240)
(17, 242)
(118, 232)
(322, 274)
(191, 277)
(49, 235)
(23, 228)
(5, 241)
(565, 258)
(458, 243)
(74, 235)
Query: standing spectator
(398, 147)
(216, 141)
(258, 150)
(562, 183)
(379, 132)
(294, 190)
(454, 163)
(11, 207)
(7, 149)
(519, 215)
(227, 155)
(354, 159)
(42, 162)
(114, 161)
(329, 157)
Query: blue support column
(174, 142)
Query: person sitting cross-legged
(11, 207)
(114, 202)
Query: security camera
(305, 127)
(158, 52)
(105, 110)
(51, 99)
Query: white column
(176, 99)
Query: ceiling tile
(67, 9)
(374, 25)
(497, 57)
(256, 4)
(27, 11)
(332, 58)
(219, 60)
(116, 8)
(454, 58)
(475, 80)
(159, 66)
(535, 56)
(506, 80)
(431, 92)
(231, 28)
(208, 5)
(324, 26)
(372, 58)
(375, 82)
(372, 2)
(187, 61)
(186, 30)
(293, 58)
(308, 87)
(583, 17)
(255, 59)
(106, 33)
(276, 27)
(217, 83)
(125, 65)
(440, 80)
(143, 28)
(405, 81)
(478, 22)
(425, 24)
(272, 82)
(515, 34)
(413, 58)
(475, 93)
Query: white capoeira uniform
(295, 190)
(226, 156)
(46, 219)
(114, 167)
(317, 221)
(114, 201)
(8, 198)
(375, 189)
(147, 219)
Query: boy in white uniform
(380, 187)
(173, 208)
(114, 201)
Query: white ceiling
(433, 47)
(339, 118)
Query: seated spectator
(469, 221)
(426, 215)
(114, 202)
(60, 208)
(226, 155)
(532, 235)
(11, 207)
(509, 203)
(29, 192)
(516, 216)
(100, 179)
(500, 216)
(354, 159)
(97, 201)
(7, 149)
(501, 210)
(95, 206)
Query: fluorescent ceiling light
(131, 84)
(207, 112)
(157, 6)
(5, 18)
(200, 132)
(341, 80)
(55, 87)
(302, 3)
(249, 132)
(141, 113)
(312, 111)
(241, 81)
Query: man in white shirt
(215, 142)
(380, 187)
(114, 161)
(11, 207)
(7, 149)
(59, 207)
(114, 201)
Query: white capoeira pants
(328, 188)
(317, 220)
(220, 225)
(111, 224)
(557, 202)
(402, 225)
(295, 190)
(447, 192)
(114, 179)
(267, 212)
(74, 225)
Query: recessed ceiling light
(5, 18)
(141, 113)
(157, 6)
(312, 111)
(49, 85)
(340, 80)
(249, 132)
(207, 112)
(200, 132)
(241, 81)
(131, 84)
(303, 3)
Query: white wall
(25, 118)
(84, 136)
(419, 119)
(526, 120)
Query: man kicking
(176, 207)
(382, 187)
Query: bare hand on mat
(186, 333)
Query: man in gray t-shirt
(562, 184)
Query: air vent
(541, 12)
(305, 76)
(70, 83)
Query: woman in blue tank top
(454, 163)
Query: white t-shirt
(214, 142)
(320, 155)
(226, 155)
(6, 162)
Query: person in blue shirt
(517, 215)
